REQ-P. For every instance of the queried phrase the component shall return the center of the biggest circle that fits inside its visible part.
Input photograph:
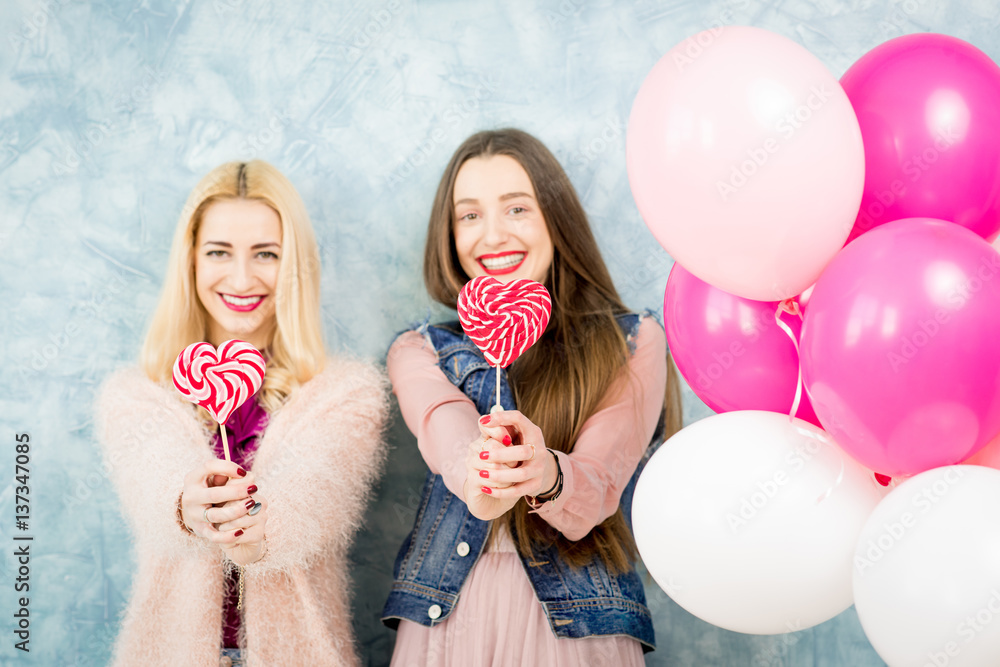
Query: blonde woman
(306, 449)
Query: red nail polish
(506, 440)
(252, 488)
(238, 533)
(485, 420)
(883, 479)
(250, 503)
(484, 474)
(241, 472)
(487, 490)
(484, 455)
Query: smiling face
(237, 253)
(499, 228)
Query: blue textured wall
(111, 111)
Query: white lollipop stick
(225, 442)
(497, 407)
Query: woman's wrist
(556, 488)
(237, 552)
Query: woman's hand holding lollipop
(504, 320)
(501, 469)
(220, 503)
(214, 505)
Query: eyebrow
(257, 246)
(509, 195)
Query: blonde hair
(296, 351)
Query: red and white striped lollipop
(219, 380)
(503, 319)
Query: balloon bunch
(832, 237)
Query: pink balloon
(730, 350)
(929, 109)
(745, 160)
(899, 350)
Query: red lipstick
(498, 255)
(242, 309)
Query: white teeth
(504, 262)
(241, 300)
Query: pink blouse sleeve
(443, 418)
(612, 441)
(606, 454)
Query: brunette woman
(522, 552)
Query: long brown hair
(560, 381)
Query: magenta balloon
(899, 346)
(929, 110)
(729, 349)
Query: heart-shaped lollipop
(219, 380)
(503, 319)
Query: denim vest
(447, 540)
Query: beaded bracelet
(180, 516)
(537, 501)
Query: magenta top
(243, 429)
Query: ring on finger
(204, 514)
(482, 445)
(532, 451)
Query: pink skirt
(498, 621)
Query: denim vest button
(462, 549)
(434, 612)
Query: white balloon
(749, 519)
(927, 570)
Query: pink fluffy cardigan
(316, 464)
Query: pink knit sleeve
(443, 419)
(612, 441)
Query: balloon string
(836, 483)
(791, 307)
(225, 441)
